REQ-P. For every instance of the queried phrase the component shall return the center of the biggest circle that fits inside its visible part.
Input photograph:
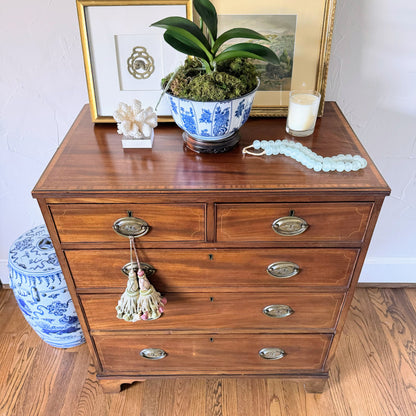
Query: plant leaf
(190, 40)
(185, 24)
(184, 45)
(237, 33)
(248, 50)
(208, 14)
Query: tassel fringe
(140, 300)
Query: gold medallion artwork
(140, 64)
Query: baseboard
(4, 273)
(390, 285)
(389, 270)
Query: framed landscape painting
(299, 32)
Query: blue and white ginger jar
(40, 290)
(211, 120)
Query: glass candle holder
(302, 113)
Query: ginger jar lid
(33, 253)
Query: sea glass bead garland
(306, 156)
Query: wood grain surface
(223, 312)
(93, 222)
(326, 221)
(373, 374)
(169, 167)
(329, 268)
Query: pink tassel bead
(144, 316)
(161, 309)
(140, 273)
(164, 301)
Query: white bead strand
(306, 156)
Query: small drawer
(224, 312)
(94, 222)
(212, 354)
(297, 222)
(222, 269)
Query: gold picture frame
(114, 30)
(311, 49)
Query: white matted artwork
(125, 58)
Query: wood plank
(364, 340)
(373, 374)
(251, 397)
(92, 402)
(397, 315)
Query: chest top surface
(91, 161)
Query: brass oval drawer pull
(272, 353)
(153, 353)
(278, 311)
(131, 227)
(148, 269)
(290, 225)
(283, 269)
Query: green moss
(232, 79)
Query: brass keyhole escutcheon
(148, 269)
(272, 353)
(153, 353)
(290, 225)
(131, 226)
(278, 311)
(283, 269)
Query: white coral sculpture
(134, 121)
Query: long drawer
(189, 270)
(322, 222)
(212, 354)
(256, 311)
(93, 222)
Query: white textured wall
(42, 87)
(372, 76)
(373, 79)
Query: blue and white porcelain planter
(40, 290)
(211, 120)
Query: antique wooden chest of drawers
(243, 300)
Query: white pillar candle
(303, 110)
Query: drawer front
(326, 222)
(94, 222)
(188, 270)
(225, 312)
(211, 354)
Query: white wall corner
(4, 272)
(389, 270)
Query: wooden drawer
(212, 354)
(223, 312)
(189, 270)
(93, 222)
(328, 222)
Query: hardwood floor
(373, 374)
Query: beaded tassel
(306, 156)
(127, 305)
(140, 300)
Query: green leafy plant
(203, 43)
